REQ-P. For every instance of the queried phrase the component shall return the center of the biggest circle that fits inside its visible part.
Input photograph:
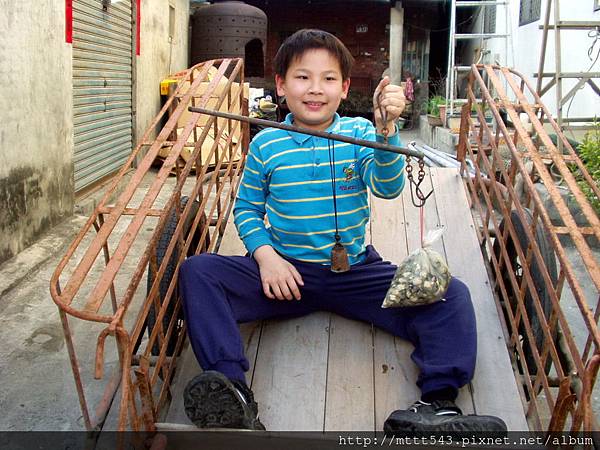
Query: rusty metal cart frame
(146, 366)
(528, 287)
(143, 395)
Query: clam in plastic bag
(421, 279)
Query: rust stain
(84, 297)
(525, 244)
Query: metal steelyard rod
(323, 134)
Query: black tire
(540, 285)
(160, 250)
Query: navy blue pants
(221, 291)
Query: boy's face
(313, 88)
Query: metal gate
(102, 88)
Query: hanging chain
(414, 186)
(415, 190)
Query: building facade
(579, 49)
(80, 82)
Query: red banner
(138, 26)
(69, 21)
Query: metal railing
(532, 236)
(163, 220)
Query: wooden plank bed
(325, 373)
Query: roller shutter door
(102, 88)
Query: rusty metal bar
(86, 262)
(510, 229)
(177, 232)
(184, 250)
(536, 358)
(559, 161)
(108, 396)
(558, 69)
(548, 225)
(489, 204)
(204, 79)
(566, 216)
(184, 174)
(496, 263)
(126, 391)
(555, 347)
(170, 290)
(565, 403)
(97, 295)
(148, 410)
(75, 368)
(132, 211)
(572, 155)
(113, 294)
(54, 290)
(322, 134)
(84, 266)
(166, 387)
(229, 207)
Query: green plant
(433, 105)
(589, 151)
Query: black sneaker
(439, 416)
(211, 400)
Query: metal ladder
(453, 68)
(556, 77)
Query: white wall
(159, 57)
(36, 131)
(525, 49)
(36, 121)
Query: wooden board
(394, 372)
(291, 373)
(494, 386)
(279, 377)
(350, 396)
(396, 231)
(432, 222)
(324, 372)
(350, 384)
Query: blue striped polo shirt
(287, 181)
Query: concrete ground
(37, 390)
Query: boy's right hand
(280, 279)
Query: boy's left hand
(389, 98)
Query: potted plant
(434, 110)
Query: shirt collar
(300, 138)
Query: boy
(288, 178)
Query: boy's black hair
(307, 39)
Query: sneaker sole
(455, 424)
(211, 401)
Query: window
(253, 59)
(489, 19)
(596, 5)
(529, 11)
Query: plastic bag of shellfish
(422, 278)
